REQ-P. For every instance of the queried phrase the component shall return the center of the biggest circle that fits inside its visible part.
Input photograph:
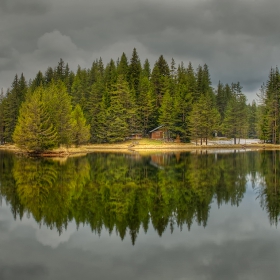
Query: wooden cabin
(159, 133)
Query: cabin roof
(156, 128)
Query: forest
(107, 104)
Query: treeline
(127, 97)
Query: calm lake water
(125, 216)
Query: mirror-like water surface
(126, 216)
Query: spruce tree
(38, 81)
(160, 74)
(235, 123)
(34, 130)
(123, 68)
(181, 111)
(252, 120)
(95, 107)
(120, 112)
(80, 130)
(166, 112)
(135, 69)
(58, 104)
(80, 88)
(2, 122)
(146, 106)
(110, 75)
(146, 71)
(204, 119)
(15, 97)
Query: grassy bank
(141, 146)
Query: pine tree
(146, 106)
(204, 119)
(159, 78)
(195, 123)
(119, 113)
(58, 104)
(235, 122)
(15, 97)
(200, 86)
(166, 112)
(80, 130)
(191, 82)
(123, 68)
(101, 127)
(2, 122)
(110, 75)
(252, 120)
(146, 72)
(59, 72)
(48, 77)
(134, 72)
(38, 81)
(34, 130)
(181, 111)
(95, 107)
(224, 94)
(80, 90)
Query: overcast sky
(238, 39)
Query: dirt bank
(141, 146)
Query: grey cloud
(30, 7)
(23, 272)
(237, 39)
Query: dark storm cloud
(237, 39)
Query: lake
(203, 215)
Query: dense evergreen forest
(110, 103)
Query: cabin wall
(158, 134)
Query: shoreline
(129, 147)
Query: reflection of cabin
(162, 159)
(159, 160)
(159, 133)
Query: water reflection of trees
(126, 192)
(269, 187)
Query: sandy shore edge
(139, 148)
